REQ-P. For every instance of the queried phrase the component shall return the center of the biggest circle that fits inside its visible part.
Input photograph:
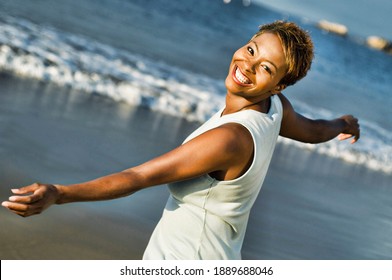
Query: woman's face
(257, 68)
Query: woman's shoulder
(234, 136)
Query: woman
(215, 176)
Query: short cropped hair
(297, 47)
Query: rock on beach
(333, 27)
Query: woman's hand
(31, 200)
(352, 129)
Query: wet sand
(310, 207)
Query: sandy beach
(310, 207)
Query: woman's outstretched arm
(225, 150)
(297, 127)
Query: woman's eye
(250, 50)
(266, 68)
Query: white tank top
(205, 218)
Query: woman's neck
(237, 104)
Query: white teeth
(241, 77)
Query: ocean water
(362, 17)
(172, 56)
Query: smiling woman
(255, 73)
(277, 56)
(215, 176)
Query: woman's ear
(278, 89)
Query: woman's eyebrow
(269, 61)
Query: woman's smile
(240, 78)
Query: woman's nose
(250, 67)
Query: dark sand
(310, 207)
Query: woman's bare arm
(297, 127)
(226, 149)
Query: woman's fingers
(31, 200)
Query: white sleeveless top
(205, 218)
